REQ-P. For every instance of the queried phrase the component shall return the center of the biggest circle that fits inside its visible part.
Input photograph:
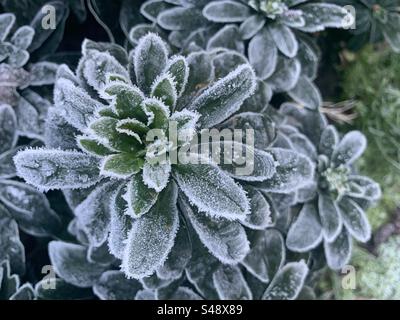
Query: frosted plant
(375, 21)
(335, 204)
(272, 33)
(21, 205)
(10, 285)
(263, 274)
(18, 78)
(110, 105)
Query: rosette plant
(110, 107)
(271, 33)
(338, 198)
(375, 20)
(18, 79)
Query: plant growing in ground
(338, 198)
(114, 111)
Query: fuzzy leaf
(178, 68)
(69, 262)
(364, 187)
(56, 169)
(228, 38)
(152, 236)
(156, 176)
(349, 149)
(76, 106)
(58, 133)
(319, 16)
(212, 190)
(286, 75)
(225, 96)
(355, 219)
(284, 39)
(164, 89)
(329, 141)
(121, 165)
(263, 54)
(7, 21)
(329, 214)
(306, 93)
(22, 37)
(8, 128)
(226, 11)
(93, 214)
(181, 18)
(150, 59)
(113, 285)
(260, 216)
(338, 252)
(43, 73)
(267, 254)
(151, 9)
(251, 26)
(225, 239)
(230, 284)
(306, 232)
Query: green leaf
(150, 59)
(152, 236)
(225, 96)
(156, 176)
(140, 198)
(349, 149)
(212, 190)
(93, 147)
(159, 113)
(164, 89)
(225, 239)
(121, 165)
(105, 128)
(288, 282)
(178, 68)
(55, 169)
(261, 215)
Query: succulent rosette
(118, 111)
(334, 205)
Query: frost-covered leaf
(58, 133)
(293, 171)
(178, 68)
(181, 18)
(329, 141)
(225, 239)
(338, 252)
(121, 165)
(306, 93)
(304, 146)
(228, 37)
(267, 254)
(151, 9)
(156, 176)
(225, 96)
(139, 197)
(164, 89)
(18, 57)
(230, 284)
(7, 21)
(319, 16)
(212, 190)
(42, 73)
(113, 285)
(226, 61)
(363, 187)
(113, 49)
(56, 169)
(286, 75)
(152, 236)
(96, 67)
(8, 128)
(29, 119)
(284, 39)
(150, 59)
(9, 283)
(179, 256)
(70, 263)
(226, 11)
(355, 219)
(7, 167)
(251, 26)
(120, 223)
(24, 292)
(30, 208)
(261, 215)
(11, 247)
(258, 102)
(76, 106)
(308, 55)
(22, 37)
(349, 149)
(263, 54)
(306, 232)
(329, 214)
(288, 282)
(93, 214)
